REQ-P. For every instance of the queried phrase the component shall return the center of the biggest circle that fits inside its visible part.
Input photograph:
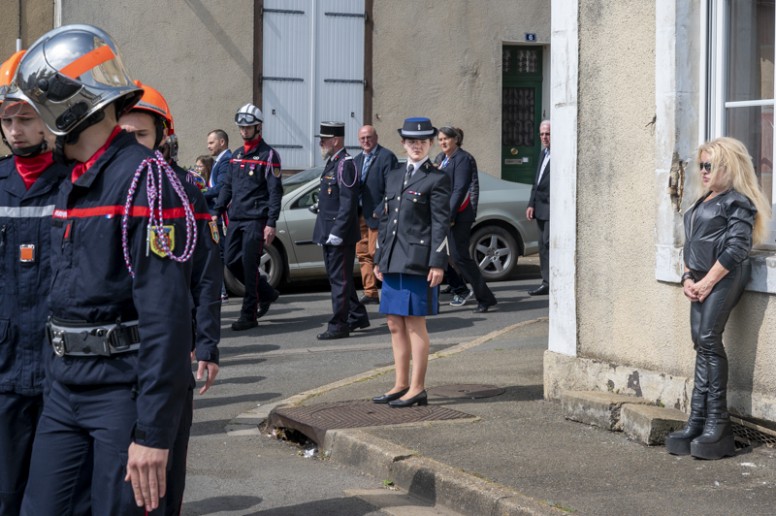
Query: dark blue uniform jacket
(91, 284)
(252, 184)
(415, 222)
(25, 219)
(338, 201)
(207, 276)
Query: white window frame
(716, 91)
(682, 100)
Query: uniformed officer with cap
(123, 235)
(337, 230)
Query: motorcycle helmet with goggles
(71, 74)
(248, 115)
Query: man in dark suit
(539, 209)
(372, 164)
(336, 229)
(218, 147)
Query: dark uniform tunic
(25, 228)
(98, 405)
(338, 216)
(252, 184)
(413, 232)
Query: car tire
(495, 251)
(272, 266)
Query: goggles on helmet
(246, 119)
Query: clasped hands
(697, 291)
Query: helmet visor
(246, 119)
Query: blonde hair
(730, 157)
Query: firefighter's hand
(269, 234)
(207, 368)
(147, 470)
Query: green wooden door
(521, 112)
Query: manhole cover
(469, 391)
(315, 420)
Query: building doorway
(521, 112)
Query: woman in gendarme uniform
(410, 259)
(719, 230)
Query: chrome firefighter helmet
(71, 74)
(248, 115)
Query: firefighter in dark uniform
(338, 231)
(29, 181)
(123, 237)
(152, 124)
(252, 185)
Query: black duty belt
(89, 340)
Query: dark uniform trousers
(544, 249)
(76, 417)
(345, 305)
(244, 245)
(460, 236)
(20, 414)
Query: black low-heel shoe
(421, 399)
(385, 398)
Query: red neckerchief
(81, 168)
(31, 168)
(251, 144)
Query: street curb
(429, 479)
(259, 414)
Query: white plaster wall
(443, 60)
(198, 53)
(625, 317)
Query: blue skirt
(408, 294)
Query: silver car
(500, 234)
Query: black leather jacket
(718, 230)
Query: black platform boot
(717, 439)
(678, 442)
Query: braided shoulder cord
(271, 166)
(156, 215)
(340, 167)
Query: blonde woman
(719, 231)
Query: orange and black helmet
(154, 103)
(8, 72)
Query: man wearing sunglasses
(252, 190)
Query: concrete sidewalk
(520, 455)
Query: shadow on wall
(740, 340)
(224, 39)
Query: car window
(309, 198)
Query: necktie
(408, 174)
(365, 167)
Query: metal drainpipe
(57, 13)
(19, 38)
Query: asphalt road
(239, 472)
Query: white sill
(669, 268)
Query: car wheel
(271, 265)
(495, 250)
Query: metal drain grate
(749, 433)
(315, 420)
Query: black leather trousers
(707, 322)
